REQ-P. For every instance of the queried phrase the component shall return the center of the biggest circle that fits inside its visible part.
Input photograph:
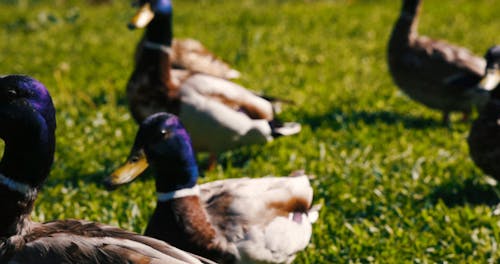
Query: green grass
(395, 184)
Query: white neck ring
(163, 197)
(22, 188)
(157, 46)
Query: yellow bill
(491, 80)
(133, 167)
(142, 18)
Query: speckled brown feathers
(294, 204)
(76, 241)
(150, 87)
(191, 55)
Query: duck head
(27, 126)
(410, 9)
(167, 146)
(411, 6)
(149, 9)
(492, 73)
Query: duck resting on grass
(433, 72)
(27, 119)
(219, 114)
(484, 135)
(185, 54)
(263, 220)
(189, 54)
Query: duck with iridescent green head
(185, 54)
(242, 220)
(220, 115)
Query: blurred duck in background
(28, 128)
(484, 136)
(263, 220)
(433, 72)
(218, 114)
(185, 54)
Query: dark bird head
(410, 7)
(167, 146)
(148, 9)
(493, 57)
(491, 78)
(27, 125)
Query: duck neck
(157, 37)
(153, 61)
(180, 217)
(160, 30)
(183, 221)
(182, 177)
(24, 167)
(495, 93)
(406, 27)
(16, 209)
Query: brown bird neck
(158, 32)
(183, 222)
(26, 162)
(157, 65)
(155, 88)
(406, 27)
(155, 61)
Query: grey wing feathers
(74, 241)
(452, 55)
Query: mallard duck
(185, 54)
(263, 220)
(433, 72)
(28, 127)
(219, 114)
(484, 135)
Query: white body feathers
(214, 111)
(265, 231)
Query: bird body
(484, 135)
(190, 54)
(244, 220)
(219, 114)
(433, 72)
(247, 220)
(77, 241)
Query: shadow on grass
(336, 119)
(468, 192)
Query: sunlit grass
(396, 185)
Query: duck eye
(12, 93)
(165, 133)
